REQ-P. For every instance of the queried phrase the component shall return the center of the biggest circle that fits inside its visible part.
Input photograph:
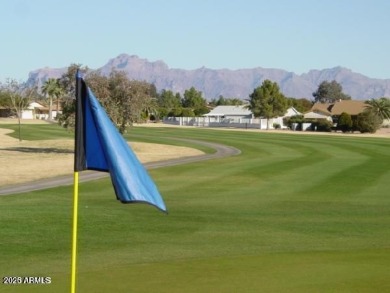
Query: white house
(292, 112)
(271, 123)
(232, 116)
(36, 110)
(242, 115)
(230, 113)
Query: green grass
(53, 131)
(38, 131)
(292, 213)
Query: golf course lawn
(291, 213)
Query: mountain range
(238, 83)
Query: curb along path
(221, 152)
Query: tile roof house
(334, 110)
(352, 107)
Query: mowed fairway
(291, 213)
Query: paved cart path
(221, 151)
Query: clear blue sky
(295, 35)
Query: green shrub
(276, 126)
(368, 121)
(293, 119)
(345, 122)
(323, 125)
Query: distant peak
(122, 58)
(124, 55)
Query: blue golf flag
(99, 146)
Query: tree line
(131, 101)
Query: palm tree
(150, 108)
(58, 94)
(51, 88)
(381, 107)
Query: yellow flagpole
(74, 232)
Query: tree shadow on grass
(38, 150)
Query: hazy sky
(295, 35)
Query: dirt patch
(27, 161)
